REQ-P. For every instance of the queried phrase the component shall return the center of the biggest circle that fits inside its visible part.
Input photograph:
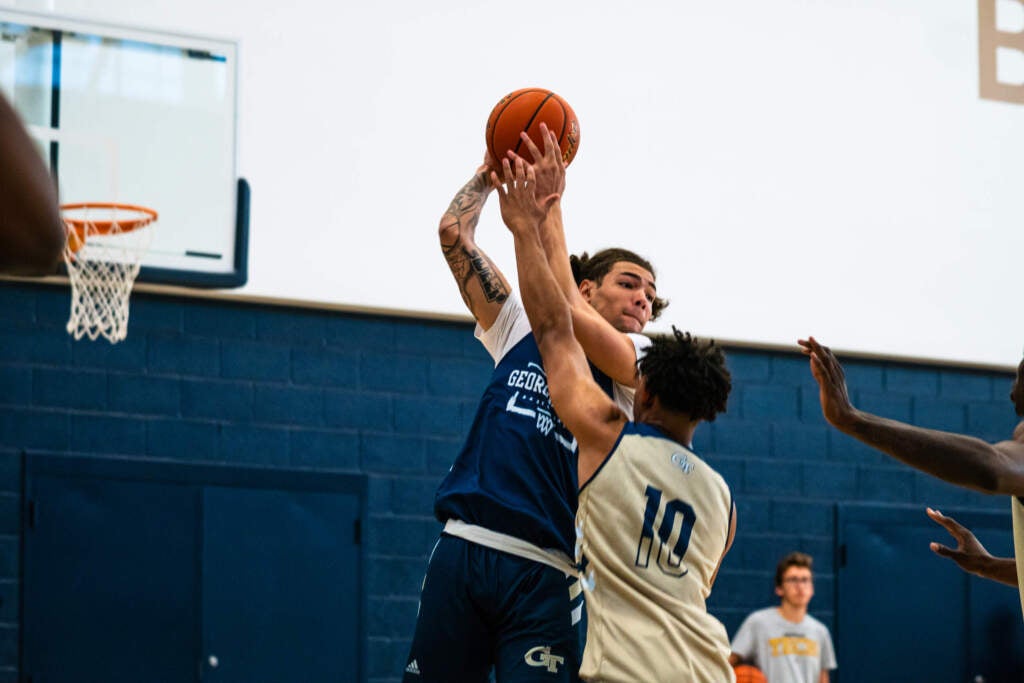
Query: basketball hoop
(105, 244)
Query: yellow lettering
(790, 645)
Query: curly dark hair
(586, 267)
(687, 374)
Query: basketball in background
(524, 110)
(745, 673)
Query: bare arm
(482, 285)
(610, 350)
(970, 555)
(824, 676)
(587, 412)
(31, 232)
(962, 460)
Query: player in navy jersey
(500, 591)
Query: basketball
(745, 673)
(524, 110)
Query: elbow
(451, 234)
(51, 245)
(37, 248)
(448, 229)
(1004, 481)
(993, 477)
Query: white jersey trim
(508, 328)
(511, 545)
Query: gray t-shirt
(784, 651)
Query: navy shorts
(482, 608)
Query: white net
(102, 257)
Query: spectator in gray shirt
(785, 642)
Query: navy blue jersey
(516, 473)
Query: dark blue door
(141, 571)
(110, 581)
(280, 586)
(905, 614)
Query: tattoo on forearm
(494, 288)
(461, 218)
(468, 203)
(466, 265)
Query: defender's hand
(548, 167)
(833, 394)
(520, 207)
(969, 554)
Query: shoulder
(755, 621)
(762, 617)
(508, 328)
(816, 623)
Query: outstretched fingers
(955, 529)
(969, 553)
(822, 360)
(530, 146)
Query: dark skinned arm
(962, 460)
(31, 231)
(970, 555)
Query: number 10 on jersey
(675, 520)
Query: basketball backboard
(138, 117)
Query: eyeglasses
(798, 580)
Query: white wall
(791, 167)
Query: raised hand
(548, 167)
(969, 554)
(521, 207)
(833, 394)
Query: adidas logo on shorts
(413, 668)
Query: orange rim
(103, 227)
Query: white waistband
(510, 544)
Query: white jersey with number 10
(652, 525)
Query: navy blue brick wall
(391, 398)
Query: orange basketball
(524, 110)
(745, 673)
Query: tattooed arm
(482, 285)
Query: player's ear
(587, 288)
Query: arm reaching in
(970, 555)
(587, 412)
(31, 232)
(962, 460)
(482, 285)
(608, 348)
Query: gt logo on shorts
(541, 656)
